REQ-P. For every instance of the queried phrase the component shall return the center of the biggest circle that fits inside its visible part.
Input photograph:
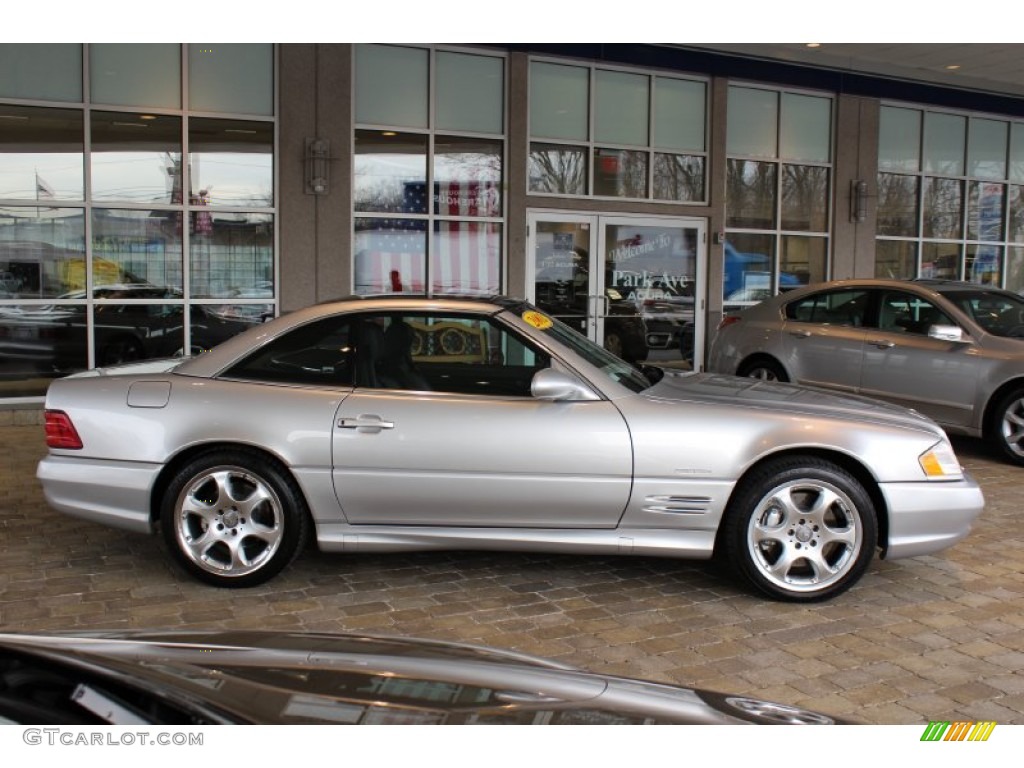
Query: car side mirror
(946, 333)
(550, 384)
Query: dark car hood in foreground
(277, 677)
(722, 389)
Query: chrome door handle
(366, 422)
(882, 343)
(801, 334)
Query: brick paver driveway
(930, 638)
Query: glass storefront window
(390, 172)
(899, 140)
(944, 141)
(620, 173)
(231, 77)
(940, 261)
(390, 255)
(805, 195)
(39, 342)
(749, 266)
(679, 114)
(392, 85)
(1016, 233)
(467, 176)
(942, 201)
(231, 162)
(44, 71)
(42, 252)
(678, 177)
(470, 93)
(41, 154)
(805, 130)
(137, 248)
(135, 74)
(985, 211)
(753, 122)
(1015, 270)
(897, 205)
(465, 257)
(802, 261)
(559, 170)
(986, 150)
(896, 259)
(231, 255)
(751, 194)
(1017, 153)
(621, 108)
(984, 264)
(136, 158)
(559, 101)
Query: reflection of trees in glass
(562, 170)
(943, 208)
(750, 194)
(678, 177)
(805, 198)
(620, 173)
(1016, 224)
(896, 259)
(897, 205)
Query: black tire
(800, 529)
(233, 518)
(1005, 431)
(763, 368)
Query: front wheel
(764, 369)
(1006, 431)
(233, 519)
(800, 529)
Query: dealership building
(156, 199)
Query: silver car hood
(720, 389)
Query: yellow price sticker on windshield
(537, 320)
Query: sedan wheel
(766, 370)
(233, 520)
(801, 529)
(1007, 430)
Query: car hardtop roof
(499, 300)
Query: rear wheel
(233, 519)
(763, 368)
(800, 529)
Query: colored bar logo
(939, 730)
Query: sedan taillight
(728, 320)
(60, 432)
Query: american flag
(465, 256)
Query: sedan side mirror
(550, 384)
(946, 333)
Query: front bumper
(115, 493)
(928, 517)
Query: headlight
(940, 463)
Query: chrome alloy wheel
(1012, 426)
(805, 535)
(228, 521)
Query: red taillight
(60, 432)
(728, 320)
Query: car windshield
(616, 369)
(1001, 314)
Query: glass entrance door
(633, 284)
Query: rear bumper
(928, 517)
(115, 493)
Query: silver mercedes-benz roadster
(410, 423)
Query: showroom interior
(158, 198)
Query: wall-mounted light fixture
(858, 201)
(318, 155)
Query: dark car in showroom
(952, 350)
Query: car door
(465, 444)
(903, 365)
(823, 338)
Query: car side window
(441, 352)
(845, 307)
(902, 312)
(318, 353)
